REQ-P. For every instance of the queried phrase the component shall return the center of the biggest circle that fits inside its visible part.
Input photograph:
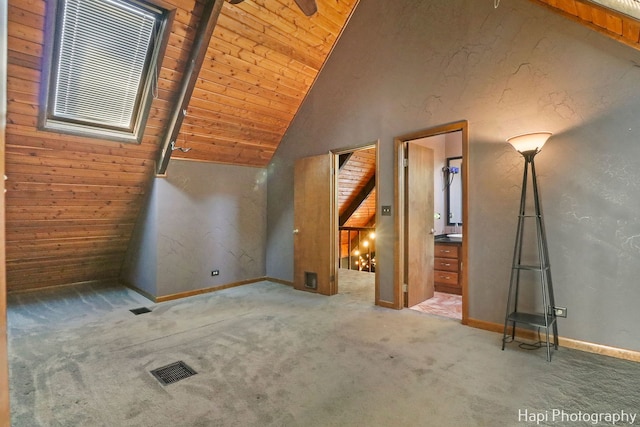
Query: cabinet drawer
(447, 264)
(446, 277)
(446, 251)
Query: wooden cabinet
(446, 267)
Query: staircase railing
(357, 248)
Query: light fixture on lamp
(529, 142)
(529, 145)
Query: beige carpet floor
(267, 355)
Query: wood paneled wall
(72, 202)
(5, 420)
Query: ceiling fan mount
(308, 7)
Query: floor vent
(140, 310)
(173, 373)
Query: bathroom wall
(200, 217)
(408, 65)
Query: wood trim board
(589, 347)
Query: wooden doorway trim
(4, 358)
(399, 196)
(336, 165)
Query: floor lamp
(529, 145)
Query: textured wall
(140, 265)
(407, 65)
(207, 216)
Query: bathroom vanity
(446, 265)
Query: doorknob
(296, 231)
(432, 231)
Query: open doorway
(356, 201)
(432, 248)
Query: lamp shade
(529, 141)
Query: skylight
(102, 66)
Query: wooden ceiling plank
(293, 51)
(289, 10)
(228, 112)
(25, 47)
(614, 24)
(296, 28)
(71, 165)
(584, 11)
(273, 25)
(215, 88)
(242, 85)
(28, 14)
(247, 44)
(60, 142)
(237, 134)
(223, 122)
(264, 67)
(631, 30)
(226, 151)
(261, 77)
(599, 18)
(221, 100)
(228, 141)
(568, 6)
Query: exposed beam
(208, 20)
(357, 201)
(343, 159)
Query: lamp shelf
(532, 319)
(529, 145)
(531, 267)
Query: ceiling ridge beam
(208, 20)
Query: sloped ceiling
(262, 59)
(72, 202)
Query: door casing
(336, 157)
(399, 190)
(318, 174)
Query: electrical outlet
(560, 311)
(215, 272)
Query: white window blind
(104, 52)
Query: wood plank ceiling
(261, 61)
(72, 202)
